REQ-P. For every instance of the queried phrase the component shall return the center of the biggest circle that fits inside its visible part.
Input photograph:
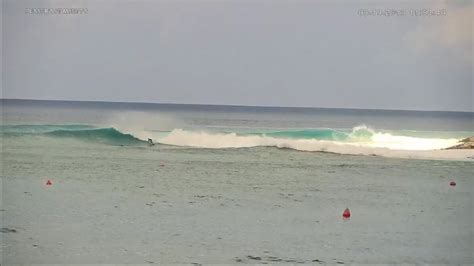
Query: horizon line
(233, 105)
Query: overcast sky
(266, 53)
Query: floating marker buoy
(452, 183)
(49, 183)
(346, 214)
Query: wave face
(359, 140)
(81, 132)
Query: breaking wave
(82, 132)
(359, 140)
(307, 140)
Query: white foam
(382, 144)
(386, 140)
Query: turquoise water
(112, 135)
(361, 136)
(305, 123)
(225, 185)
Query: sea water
(232, 184)
(204, 126)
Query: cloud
(450, 31)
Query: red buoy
(346, 214)
(49, 183)
(452, 183)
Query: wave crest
(82, 132)
(108, 135)
(360, 140)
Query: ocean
(232, 184)
(208, 126)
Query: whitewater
(360, 140)
(373, 139)
(232, 185)
(397, 134)
(383, 144)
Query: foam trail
(386, 140)
(382, 144)
(203, 139)
(361, 140)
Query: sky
(337, 54)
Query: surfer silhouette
(150, 142)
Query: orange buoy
(452, 183)
(346, 214)
(49, 183)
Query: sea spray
(310, 140)
(359, 140)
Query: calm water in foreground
(231, 185)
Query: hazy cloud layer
(283, 53)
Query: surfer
(150, 142)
